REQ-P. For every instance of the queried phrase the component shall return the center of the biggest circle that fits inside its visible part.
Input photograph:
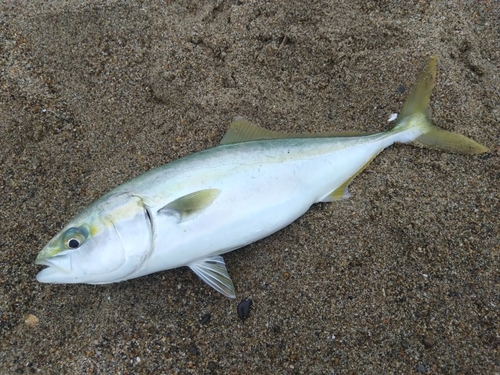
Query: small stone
(243, 308)
(421, 369)
(212, 366)
(31, 321)
(205, 319)
(194, 350)
(428, 342)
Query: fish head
(106, 243)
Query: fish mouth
(57, 267)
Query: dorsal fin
(242, 130)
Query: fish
(191, 211)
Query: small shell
(393, 117)
(243, 308)
(31, 321)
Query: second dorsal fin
(242, 130)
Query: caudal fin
(414, 116)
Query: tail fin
(414, 115)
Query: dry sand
(402, 278)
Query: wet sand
(401, 278)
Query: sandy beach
(402, 278)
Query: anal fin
(213, 271)
(342, 191)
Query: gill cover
(100, 249)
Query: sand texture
(402, 278)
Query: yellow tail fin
(414, 115)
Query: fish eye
(73, 238)
(73, 243)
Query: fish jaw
(58, 267)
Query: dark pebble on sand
(194, 350)
(428, 342)
(243, 308)
(205, 319)
(212, 366)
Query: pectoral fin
(182, 208)
(213, 271)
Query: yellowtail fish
(192, 210)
